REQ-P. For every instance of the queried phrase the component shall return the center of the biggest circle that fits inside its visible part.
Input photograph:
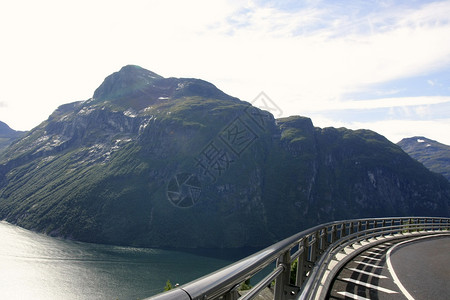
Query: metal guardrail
(313, 250)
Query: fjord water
(35, 266)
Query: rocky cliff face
(168, 162)
(434, 155)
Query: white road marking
(370, 265)
(375, 253)
(366, 273)
(352, 296)
(391, 269)
(378, 248)
(372, 258)
(371, 286)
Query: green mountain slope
(174, 162)
(8, 135)
(434, 155)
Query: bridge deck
(351, 256)
(397, 270)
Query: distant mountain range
(434, 155)
(176, 162)
(8, 135)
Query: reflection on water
(35, 266)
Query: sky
(373, 64)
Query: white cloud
(329, 61)
(422, 111)
(404, 102)
(395, 130)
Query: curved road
(423, 267)
(418, 269)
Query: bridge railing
(312, 250)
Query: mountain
(8, 135)
(434, 155)
(175, 162)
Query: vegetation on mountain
(175, 162)
(434, 155)
(8, 135)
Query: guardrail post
(391, 223)
(301, 264)
(343, 230)
(327, 237)
(283, 279)
(334, 234)
(314, 246)
(232, 295)
(307, 258)
(323, 239)
(445, 224)
(400, 226)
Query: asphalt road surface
(397, 270)
(423, 268)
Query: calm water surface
(35, 266)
